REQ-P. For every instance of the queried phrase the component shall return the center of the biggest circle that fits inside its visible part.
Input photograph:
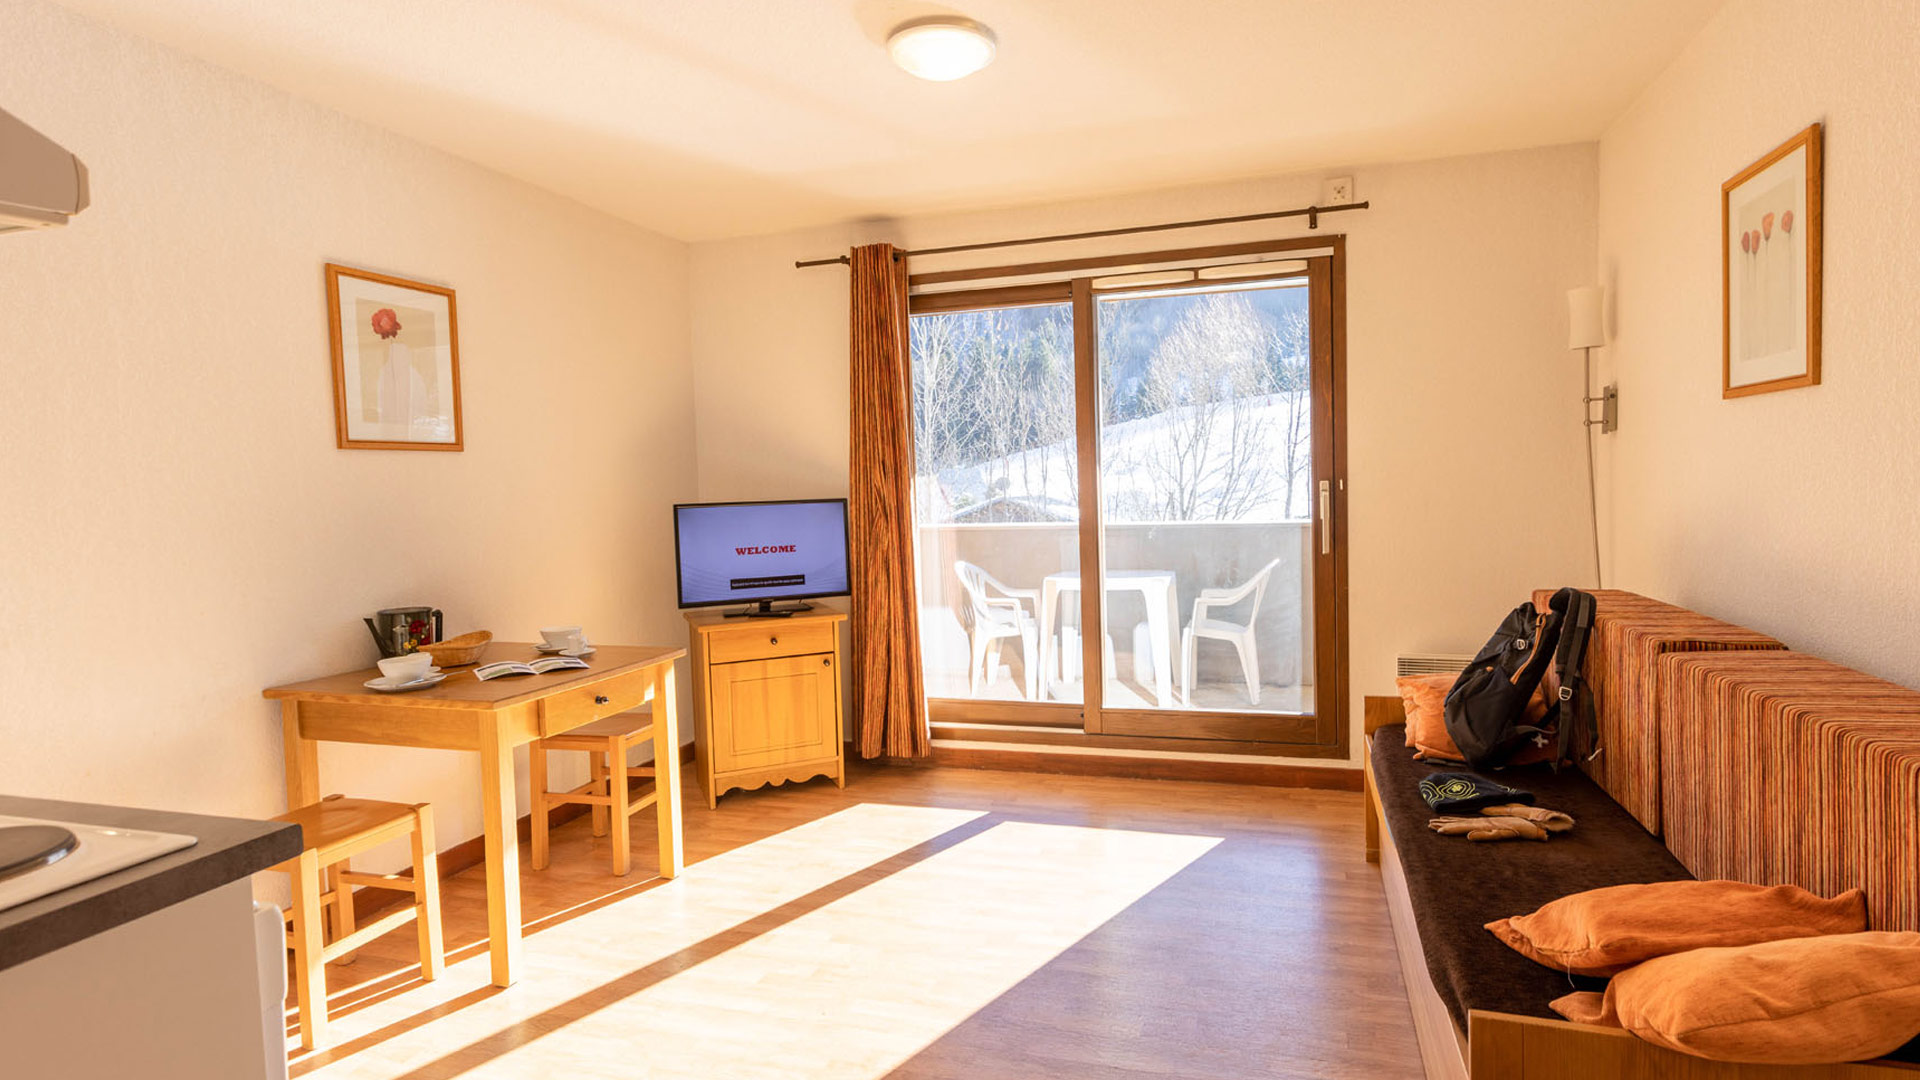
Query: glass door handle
(1326, 517)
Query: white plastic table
(1156, 586)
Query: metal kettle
(398, 631)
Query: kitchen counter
(230, 849)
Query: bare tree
(993, 401)
(1205, 390)
(1289, 351)
(1205, 404)
(934, 360)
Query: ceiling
(705, 119)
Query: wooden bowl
(458, 651)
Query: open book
(537, 667)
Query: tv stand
(765, 610)
(767, 700)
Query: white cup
(409, 668)
(562, 637)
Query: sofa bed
(1723, 756)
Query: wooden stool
(334, 830)
(606, 743)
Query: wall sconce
(1586, 331)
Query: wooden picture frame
(1770, 223)
(396, 362)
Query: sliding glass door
(996, 494)
(1195, 410)
(1209, 494)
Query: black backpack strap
(1570, 661)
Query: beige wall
(183, 523)
(1466, 471)
(181, 531)
(1791, 512)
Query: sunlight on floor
(573, 957)
(847, 982)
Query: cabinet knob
(601, 699)
(773, 641)
(826, 661)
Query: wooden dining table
(492, 718)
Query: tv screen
(739, 553)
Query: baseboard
(470, 853)
(1059, 738)
(1262, 774)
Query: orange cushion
(1604, 931)
(1803, 1001)
(1425, 698)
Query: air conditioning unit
(41, 184)
(1431, 663)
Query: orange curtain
(890, 709)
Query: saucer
(548, 650)
(387, 686)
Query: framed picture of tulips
(396, 362)
(1770, 263)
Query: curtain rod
(1311, 213)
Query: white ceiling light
(941, 48)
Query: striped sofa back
(1780, 767)
(1630, 634)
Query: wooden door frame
(1324, 733)
(1086, 410)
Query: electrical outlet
(1337, 191)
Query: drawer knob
(601, 699)
(773, 641)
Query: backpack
(1486, 711)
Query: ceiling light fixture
(941, 48)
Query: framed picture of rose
(396, 362)
(1770, 271)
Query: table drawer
(766, 642)
(582, 705)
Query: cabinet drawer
(765, 641)
(583, 705)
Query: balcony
(1171, 562)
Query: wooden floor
(923, 923)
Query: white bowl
(406, 668)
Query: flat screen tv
(759, 552)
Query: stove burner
(24, 848)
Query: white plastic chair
(996, 618)
(1239, 635)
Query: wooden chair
(606, 743)
(334, 830)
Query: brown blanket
(1458, 888)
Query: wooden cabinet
(767, 699)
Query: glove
(1488, 828)
(1551, 820)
